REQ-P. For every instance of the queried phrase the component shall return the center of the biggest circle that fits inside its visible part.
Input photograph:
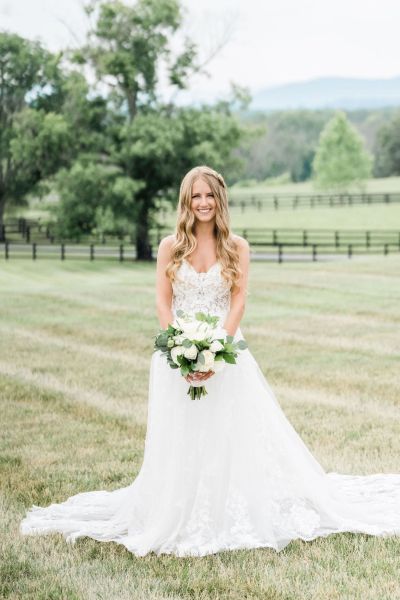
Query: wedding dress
(224, 472)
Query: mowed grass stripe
(90, 397)
(42, 339)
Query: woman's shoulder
(166, 242)
(164, 247)
(241, 242)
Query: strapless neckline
(201, 272)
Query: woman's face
(203, 201)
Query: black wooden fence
(267, 244)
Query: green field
(76, 342)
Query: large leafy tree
(33, 141)
(341, 160)
(149, 143)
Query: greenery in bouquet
(197, 343)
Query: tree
(341, 160)
(93, 196)
(387, 149)
(148, 144)
(32, 142)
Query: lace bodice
(194, 291)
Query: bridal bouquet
(197, 343)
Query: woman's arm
(163, 283)
(238, 298)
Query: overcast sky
(269, 42)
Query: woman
(227, 471)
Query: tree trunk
(2, 207)
(143, 246)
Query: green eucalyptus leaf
(229, 358)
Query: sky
(267, 43)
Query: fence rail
(258, 236)
(260, 200)
(64, 251)
(279, 251)
(255, 235)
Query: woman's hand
(199, 376)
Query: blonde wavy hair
(185, 241)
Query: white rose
(190, 352)
(219, 365)
(209, 362)
(175, 352)
(197, 330)
(178, 339)
(216, 346)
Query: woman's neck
(204, 231)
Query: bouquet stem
(197, 392)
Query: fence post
(6, 250)
(280, 254)
(28, 234)
(34, 251)
(314, 252)
(386, 249)
(275, 239)
(62, 251)
(350, 251)
(91, 251)
(305, 239)
(337, 242)
(121, 253)
(367, 239)
(276, 203)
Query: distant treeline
(286, 141)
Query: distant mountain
(329, 92)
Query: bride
(227, 471)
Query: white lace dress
(224, 472)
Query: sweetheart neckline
(201, 272)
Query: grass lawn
(75, 346)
